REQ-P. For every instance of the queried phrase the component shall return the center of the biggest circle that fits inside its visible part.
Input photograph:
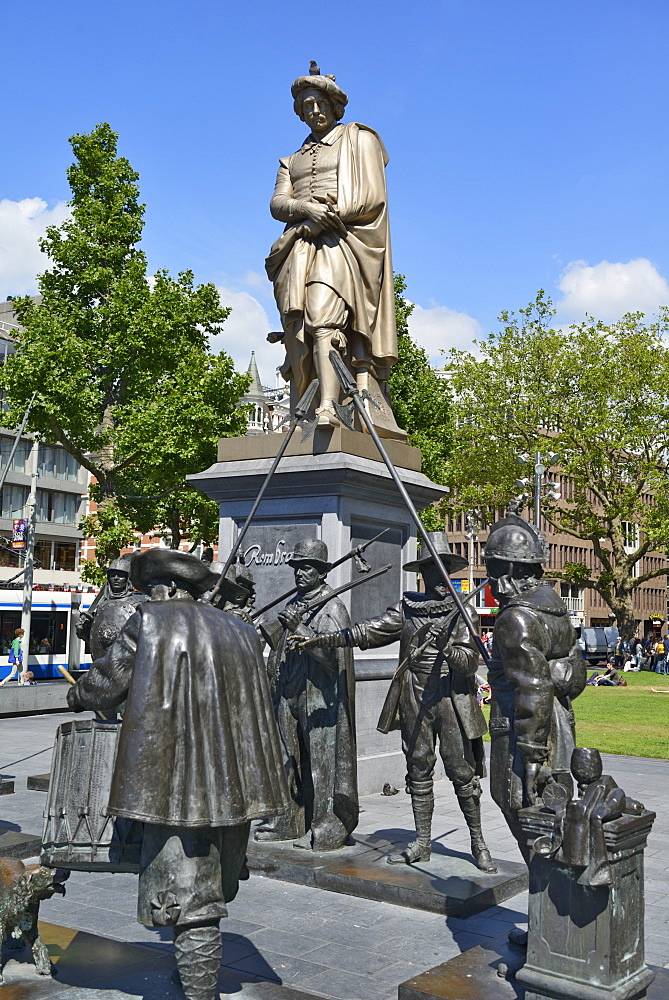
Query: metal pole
(472, 540)
(539, 470)
(26, 610)
(350, 387)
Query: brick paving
(321, 942)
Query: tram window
(48, 632)
(9, 622)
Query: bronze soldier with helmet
(536, 671)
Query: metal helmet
(513, 539)
(120, 565)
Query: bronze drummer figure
(198, 753)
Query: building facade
(585, 606)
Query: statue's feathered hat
(325, 83)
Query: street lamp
(553, 491)
(472, 534)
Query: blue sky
(528, 143)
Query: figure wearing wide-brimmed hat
(331, 267)
(198, 754)
(536, 671)
(436, 697)
(315, 712)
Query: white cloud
(246, 330)
(609, 289)
(438, 328)
(21, 225)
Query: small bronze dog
(22, 889)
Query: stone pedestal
(587, 942)
(333, 487)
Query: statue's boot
(518, 937)
(422, 803)
(277, 828)
(470, 805)
(327, 378)
(199, 952)
(306, 842)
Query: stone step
(14, 844)
(473, 975)
(450, 883)
(6, 786)
(39, 782)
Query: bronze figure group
(212, 739)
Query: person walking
(660, 658)
(15, 656)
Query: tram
(53, 640)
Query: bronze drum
(78, 833)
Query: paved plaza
(310, 939)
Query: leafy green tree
(421, 402)
(598, 396)
(125, 378)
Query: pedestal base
(450, 884)
(19, 845)
(39, 782)
(473, 976)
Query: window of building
(65, 555)
(8, 555)
(572, 595)
(43, 552)
(630, 535)
(20, 460)
(59, 508)
(57, 463)
(13, 500)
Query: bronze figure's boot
(198, 952)
(470, 804)
(422, 802)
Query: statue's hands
(532, 771)
(290, 617)
(300, 642)
(322, 213)
(73, 699)
(537, 776)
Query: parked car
(598, 643)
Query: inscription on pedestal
(266, 550)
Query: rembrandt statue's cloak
(198, 746)
(357, 266)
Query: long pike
(350, 389)
(301, 411)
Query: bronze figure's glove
(328, 640)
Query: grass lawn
(632, 720)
